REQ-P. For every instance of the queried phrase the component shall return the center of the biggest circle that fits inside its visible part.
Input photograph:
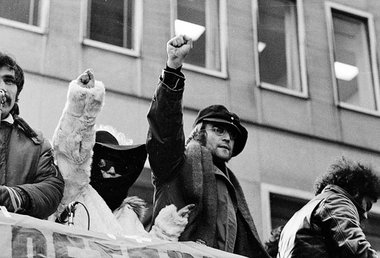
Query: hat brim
(241, 132)
(132, 156)
(223, 121)
(118, 147)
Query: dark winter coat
(30, 167)
(184, 176)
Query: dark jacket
(184, 176)
(327, 226)
(30, 167)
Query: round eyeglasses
(221, 131)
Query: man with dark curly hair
(329, 225)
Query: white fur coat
(73, 141)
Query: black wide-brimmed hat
(131, 160)
(133, 156)
(220, 114)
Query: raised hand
(86, 79)
(170, 223)
(177, 49)
(185, 211)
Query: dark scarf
(199, 182)
(112, 190)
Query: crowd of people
(197, 197)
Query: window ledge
(198, 69)
(271, 87)
(23, 26)
(358, 109)
(110, 47)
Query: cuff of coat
(173, 78)
(25, 199)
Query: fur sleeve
(74, 136)
(168, 225)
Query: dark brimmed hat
(130, 157)
(220, 114)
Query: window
(279, 204)
(113, 24)
(280, 63)
(208, 53)
(283, 207)
(352, 54)
(26, 14)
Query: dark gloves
(14, 199)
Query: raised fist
(86, 79)
(177, 49)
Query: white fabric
(8, 119)
(73, 141)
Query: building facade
(302, 75)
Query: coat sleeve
(74, 137)
(46, 191)
(166, 140)
(340, 219)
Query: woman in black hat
(115, 167)
(81, 155)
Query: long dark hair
(198, 134)
(357, 179)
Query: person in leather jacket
(30, 182)
(195, 171)
(329, 225)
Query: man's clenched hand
(177, 48)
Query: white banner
(24, 236)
